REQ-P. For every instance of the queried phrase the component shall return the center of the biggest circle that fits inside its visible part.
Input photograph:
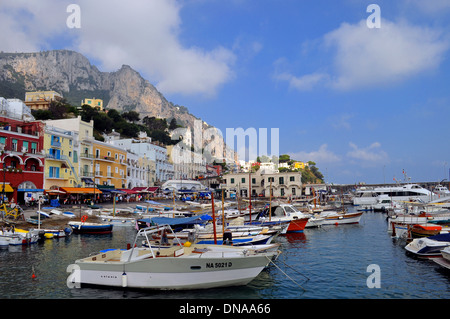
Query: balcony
(105, 158)
(86, 174)
(87, 155)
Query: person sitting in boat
(164, 239)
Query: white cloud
(373, 154)
(364, 57)
(322, 155)
(303, 83)
(142, 34)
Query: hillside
(71, 74)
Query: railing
(87, 155)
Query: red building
(22, 159)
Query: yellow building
(110, 164)
(95, 103)
(40, 100)
(61, 158)
(84, 130)
(300, 165)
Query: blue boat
(429, 246)
(90, 228)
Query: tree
(173, 124)
(131, 116)
(284, 158)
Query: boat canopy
(177, 221)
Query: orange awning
(81, 190)
(8, 188)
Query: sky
(361, 90)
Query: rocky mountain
(71, 74)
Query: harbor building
(84, 148)
(286, 184)
(110, 164)
(61, 154)
(21, 149)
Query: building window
(14, 144)
(293, 191)
(33, 147)
(253, 180)
(97, 153)
(232, 181)
(282, 191)
(281, 181)
(271, 179)
(292, 178)
(243, 179)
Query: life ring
(84, 218)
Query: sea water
(331, 262)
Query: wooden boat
(342, 217)
(424, 230)
(176, 268)
(90, 228)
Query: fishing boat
(428, 247)
(176, 268)
(424, 230)
(83, 227)
(19, 237)
(90, 228)
(285, 212)
(340, 217)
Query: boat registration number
(219, 265)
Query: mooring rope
(286, 274)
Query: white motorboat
(286, 213)
(429, 246)
(441, 190)
(176, 268)
(396, 193)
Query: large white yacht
(397, 193)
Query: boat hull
(171, 273)
(90, 228)
(337, 219)
(297, 225)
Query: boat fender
(187, 244)
(84, 218)
(124, 280)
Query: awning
(112, 190)
(152, 189)
(53, 192)
(8, 188)
(30, 190)
(81, 190)
(129, 191)
(87, 180)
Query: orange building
(110, 164)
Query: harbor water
(332, 262)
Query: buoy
(33, 275)
(187, 244)
(336, 223)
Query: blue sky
(363, 103)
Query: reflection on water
(328, 262)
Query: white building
(286, 184)
(142, 146)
